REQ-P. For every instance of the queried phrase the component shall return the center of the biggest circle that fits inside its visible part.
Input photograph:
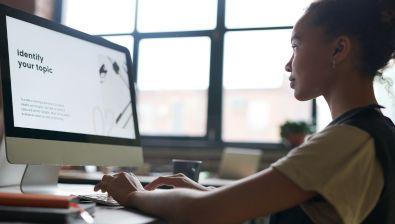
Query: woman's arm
(263, 193)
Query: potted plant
(293, 133)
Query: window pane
(176, 15)
(324, 116)
(259, 13)
(385, 91)
(99, 16)
(173, 77)
(256, 59)
(257, 96)
(126, 41)
(256, 115)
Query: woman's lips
(292, 82)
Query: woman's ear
(341, 49)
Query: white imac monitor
(68, 97)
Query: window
(114, 21)
(324, 116)
(99, 16)
(385, 91)
(210, 72)
(256, 86)
(258, 13)
(172, 85)
(176, 15)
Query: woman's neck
(346, 96)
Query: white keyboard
(100, 198)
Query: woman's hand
(178, 181)
(120, 186)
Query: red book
(36, 200)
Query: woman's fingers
(160, 181)
(98, 186)
(106, 179)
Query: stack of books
(38, 208)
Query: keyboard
(100, 198)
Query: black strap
(349, 114)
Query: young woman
(343, 174)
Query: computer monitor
(68, 97)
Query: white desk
(105, 214)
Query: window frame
(213, 136)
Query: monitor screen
(68, 97)
(62, 83)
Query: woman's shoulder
(342, 134)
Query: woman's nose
(288, 66)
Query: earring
(333, 64)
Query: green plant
(295, 127)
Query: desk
(80, 177)
(103, 214)
(77, 181)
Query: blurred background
(209, 74)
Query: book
(36, 200)
(44, 215)
(41, 208)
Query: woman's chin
(302, 97)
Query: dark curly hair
(370, 22)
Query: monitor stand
(10, 174)
(40, 179)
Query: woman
(345, 173)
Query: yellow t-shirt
(340, 164)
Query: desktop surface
(79, 182)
